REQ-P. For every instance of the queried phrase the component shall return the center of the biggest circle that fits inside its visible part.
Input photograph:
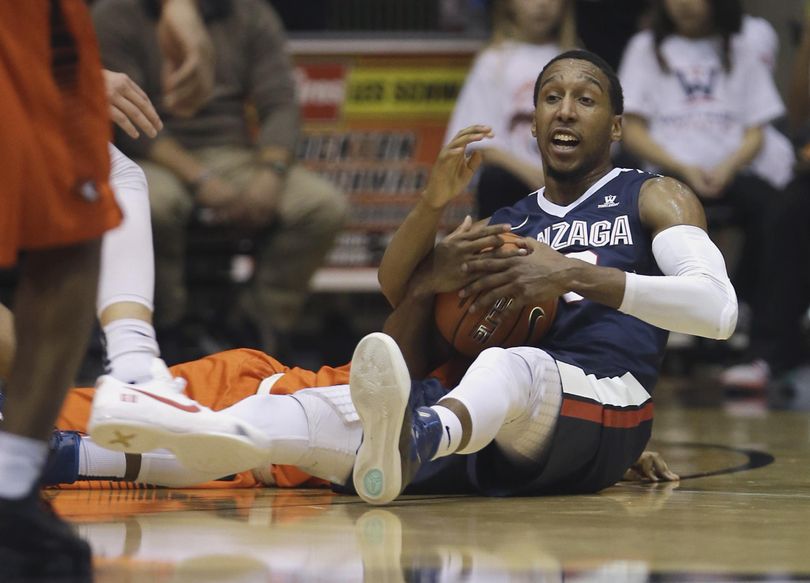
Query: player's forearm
(168, 152)
(604, 285)
(412, 242)
(411, 325)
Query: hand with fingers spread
(538, 275)
(650, 467)
(460, 246)
(130, 108)
(454, 168)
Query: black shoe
(37, 545)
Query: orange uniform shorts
(54, 129)
(220, 380)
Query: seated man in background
(211, 163)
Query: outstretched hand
(453, 168)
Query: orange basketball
(469, 333)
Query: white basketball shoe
(136, 418)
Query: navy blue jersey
(602, 227)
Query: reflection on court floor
(743, 512)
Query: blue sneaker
(395, 442)
(63, 462)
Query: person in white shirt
(698, 100)
(498, 92)
(778, 348)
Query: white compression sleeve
(127, 263)
(694, 296)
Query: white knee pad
(525, 439)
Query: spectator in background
(605, 26)
(697, 100)
(216, 162)
(499, 92)
(56, 204)
(777, 339)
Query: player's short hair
(614, 86)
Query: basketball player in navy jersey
(628, 254)
(570, 418)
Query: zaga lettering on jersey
(579, 233)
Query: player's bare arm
(665, 202)
(415, 238)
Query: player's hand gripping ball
(492, 326)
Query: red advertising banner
(374, 121)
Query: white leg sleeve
(283, 421)
(127, 262)
(334, 432)
(161, 468)
(316, 430)
(513, 396)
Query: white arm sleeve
(694, 296)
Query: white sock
(495, 390)
(21, 463)
(451, 438)
(131, 348)
(99, 462)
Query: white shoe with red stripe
(751, 376)
(156, 414)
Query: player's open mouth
(563, 140)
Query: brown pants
(312, 211)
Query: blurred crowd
(701, 105)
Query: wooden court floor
(741, 513)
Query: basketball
(469, 334)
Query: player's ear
(534, 127)
(616, 129)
